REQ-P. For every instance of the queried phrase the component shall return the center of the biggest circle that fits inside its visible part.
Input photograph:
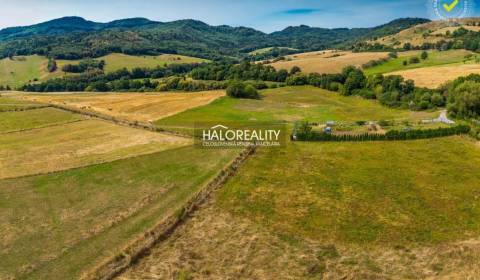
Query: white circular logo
(452, 9)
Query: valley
(102, 175)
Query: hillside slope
(430, 32)
(74, 38)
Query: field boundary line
(140, 247)
(26, 108)
(87, 165)
(118, 121)
(41, 127)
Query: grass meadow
(384, 193)
(22, 120)
(373, 210)
(435, 58)
(76, 144)
(327, 61)
(11, 104)
(56, 226)
(22, 69)
(289, 104)
(146, 107)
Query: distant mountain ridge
(70, 24)
(75, 37)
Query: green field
(264, 50)
(23, 69)
(56, 226)
(76, 144)
(415, 192)
(435, 58)
(14, 121)
(119, 61)
(12, 104)
(290, 104)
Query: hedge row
(392, 135)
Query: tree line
(137, 79)
(305, 133)
(462, 95)
(187, 77)
(84, 65)
(391, 90)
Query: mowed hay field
(290, 104)
(76, 144)
(381, 210)
(432, 77)
(29, 119)
(131, 106)
(327, 61)
(12, 104)
(57, 226)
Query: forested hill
(75, 37)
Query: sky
(264, 15)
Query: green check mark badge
(450, 7)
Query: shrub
(355, 79)
(240, 90)
(464, 101)
(52, 65)
(393, 55)
(295, 70)
(365, 93)
(414, 60)
(297, 80)
(392, 135)
(384, 123)
(334, 86)
(424, 55)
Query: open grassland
(118, 61)
(22, 120)
(131, 106)
(435, 58)
(255, 252)
(12, 104)
(408, 192)
(76, 144)
(22, 69)
(265, 50)
(430, 32)
(327, 61)
(58, 225)
(432, 77)
(290, 104)
(389, 210)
